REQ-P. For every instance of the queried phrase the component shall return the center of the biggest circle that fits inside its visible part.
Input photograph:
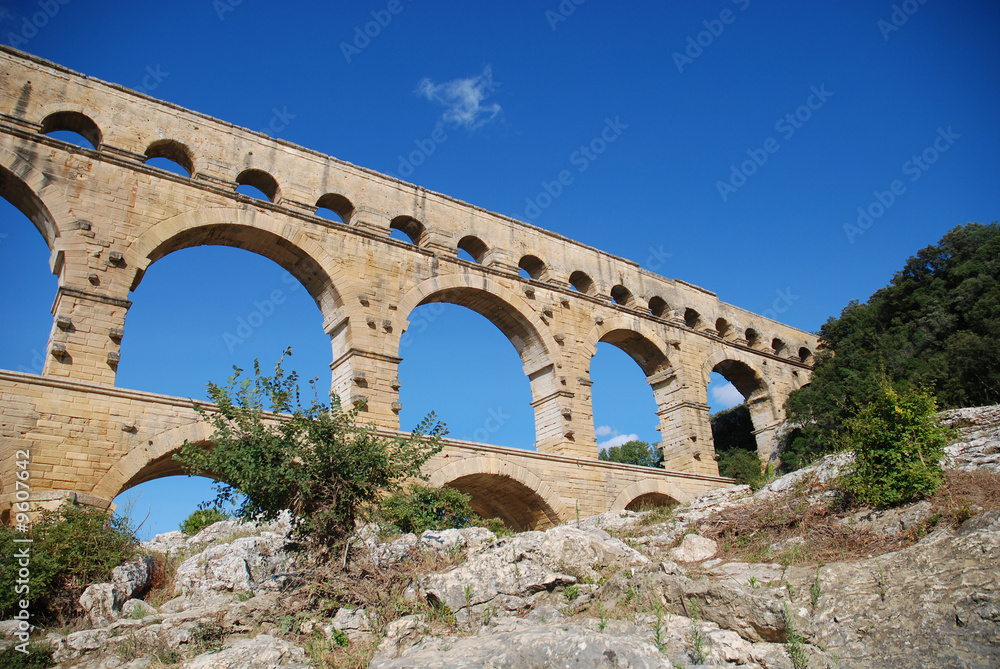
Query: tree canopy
(935, 326)
(633, 453)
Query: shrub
(272, 453)
(37, 657)
(420, 507)
(898, 442)
(201, 519)
(71, 548)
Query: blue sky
(747, 136)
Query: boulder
(694, 548)
(235, 567)
(261, 652)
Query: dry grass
(824, 530)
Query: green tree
(273, 452)
(898, 443)
(201, 519)
(732, 433)
(419, 507)
(935, 326)
(633, 453)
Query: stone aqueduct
(107, 216)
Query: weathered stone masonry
(107, 216)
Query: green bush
(420, 507)
(272, 453)
(898, 442)
(37, 657)
(201, 519)
(71, 548)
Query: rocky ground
(623, 589)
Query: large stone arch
(247, 228)
(744, 372)
(23, 186)
(504, 490)
(151, 459)
(516, 319)
(649, 489)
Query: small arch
(173, 151)
(651, 486)
(533, 265)
(692, 318)
(474, 246)
(752, 337)
(778, 346)
(805, 355)
(260, 180)
(745, 378)
(722, 327)
(503, 489)
(582, 282)
(410, 227)
(659, 307)
(623, 296)
(336, 203)
(651, 500)
(75, 122)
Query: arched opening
(518, 506)
(659, 307)
(533, 266)
(334, 207)
(170, 155)
(722, 328)
(736, 395)
(257, 184)
(480, 391)
(473, 248)
(624, 407)
(582, 282)
(651, 500)
(752, 337)
(71, 127)
(161, 503)
(778, 346)
(407, 228)
(623, 296)
(805, 355)
(692, 318)
(205, 304)
(25, 254)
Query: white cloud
(725, 396)
(603, 430)
(463, 98)
(617, 440)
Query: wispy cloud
(617, 439)
(463, 98)
(725, 396)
